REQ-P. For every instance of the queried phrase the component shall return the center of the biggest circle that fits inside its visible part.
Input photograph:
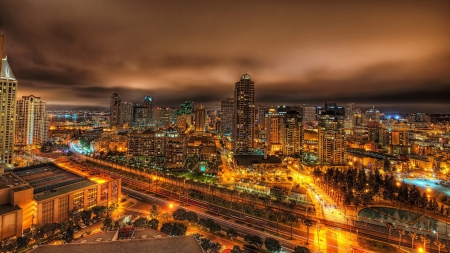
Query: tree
(165, 216)
(153, 224)
(257, 241)
(178, 229)
(141, 222)
(86, 216)
(98, 211)
(215, 227)
(155, 210)
(68, 235)
(166, 228)
(107, 223)
(8, 244)
(291, 219)
(191, 217)
(301, 249)
(232, 233)
(308, 223)
(272, 245)
(179, 214)
(23, 241)
(253, 240)
(237, 249)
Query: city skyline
(394, 57)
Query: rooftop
(10, 180)
(58, 191)
(8, 208)
(248, 160)
(46, 177)
(6, 70)
(176, 244)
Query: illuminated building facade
(331, 146)
(226, 115)
(8, 92)
(243, 129)
(31, 122)
(200, 119)
(167, 149)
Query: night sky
(394, 55)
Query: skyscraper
(148, 102)
(226, 115)
(243, 130)
(114, 109)
(8, 112)
(31, 122)
(200, 119)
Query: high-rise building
(164, 116)
(292, 133)
(331, 147)
(114, 110)
(243, 130)
(140, 115)
(309, 113)
(261, 116)
(31, 122)
(226, 115)
(148, 102)
(200, 119)
(7, 118)
(126, 112)
(274, 131)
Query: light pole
(413, 237)
(424, 239)
(440, 245)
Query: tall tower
(8, 86)
(226, 115)
(243, 130)
(200, 119)
(148, 102)
(114, 109)
(31, 122)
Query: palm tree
(389, 226)
(291, 219)
(308, 223)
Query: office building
(49, 194)
(244, 116)
(8, 85)
(200, 119)
(309, 113)
(114, 110)
(126, 112)
(148, 102)
(31, 122)
(292, 134)
(140, 115)
(226, 115)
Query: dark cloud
(396, 54)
